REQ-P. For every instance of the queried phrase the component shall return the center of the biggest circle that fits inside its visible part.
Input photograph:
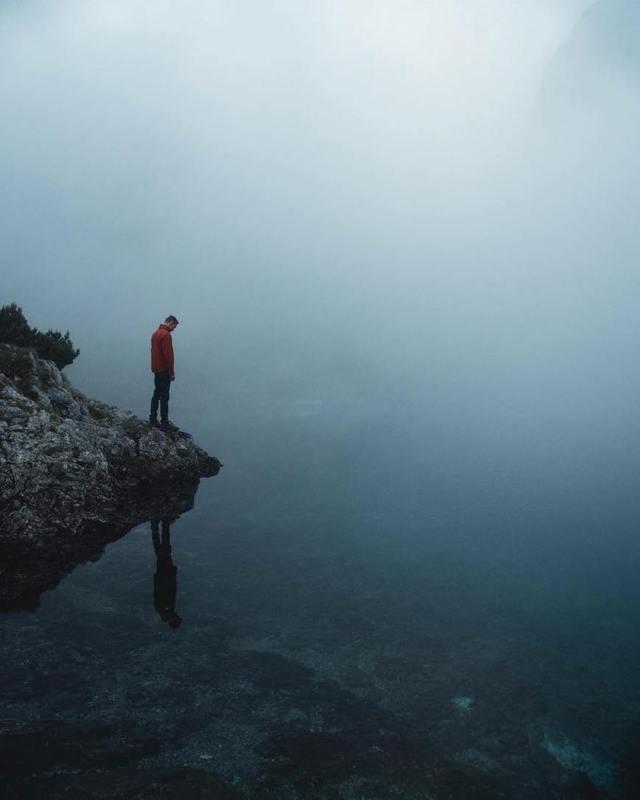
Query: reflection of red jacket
(162, 351)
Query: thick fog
(427, 205)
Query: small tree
(55, 347)
(52, 345)
(14, 328)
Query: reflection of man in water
(164, 581)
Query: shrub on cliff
(52, 345)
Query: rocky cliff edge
(70, 464)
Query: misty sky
(331, 196)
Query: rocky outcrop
(72, 468)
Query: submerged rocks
(70, 465)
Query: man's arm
(167, 351)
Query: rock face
(72, 468)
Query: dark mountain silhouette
(601, 56)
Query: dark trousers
(162, 383)
(164, 581)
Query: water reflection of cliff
(30, 567)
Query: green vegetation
(15, 363)
(52, 345)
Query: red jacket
(162, 351)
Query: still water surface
(373, 606)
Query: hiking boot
(168, 426)
(153, 423)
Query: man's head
(171, 322)
(172, 619)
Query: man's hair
(171, 318)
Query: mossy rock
(100, 411)
(133, 426)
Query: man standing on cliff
(163, 373)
